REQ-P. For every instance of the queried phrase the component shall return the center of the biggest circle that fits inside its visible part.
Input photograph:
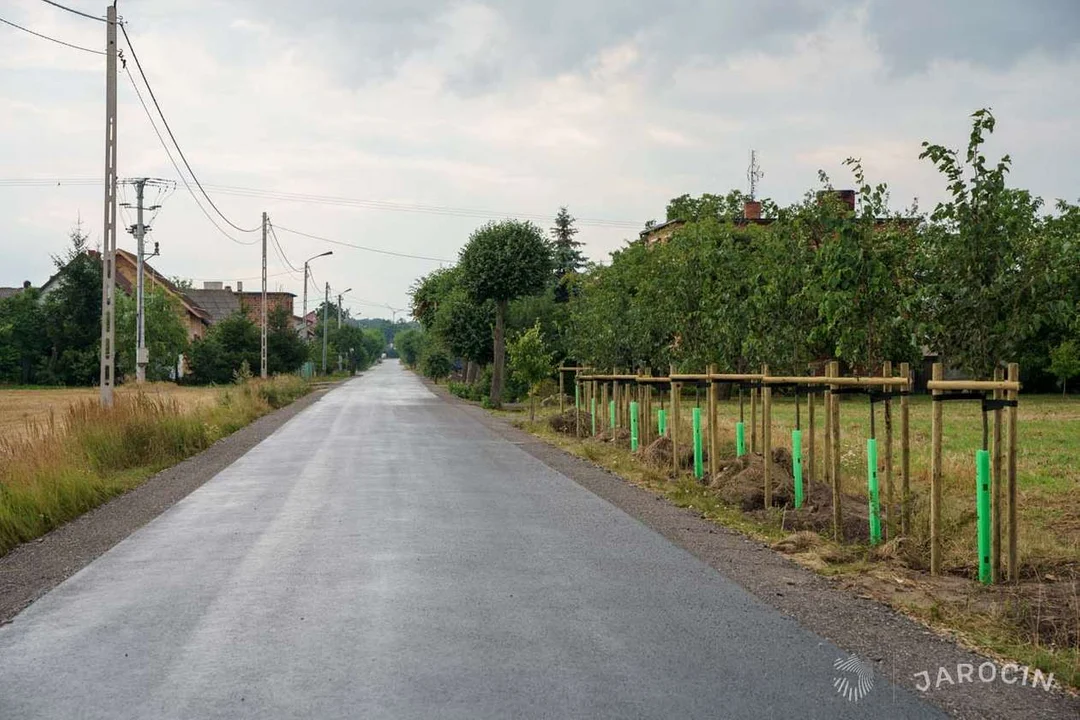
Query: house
(221, 301)
(662, 233)
(6, 292)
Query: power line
(364, 247)
(74, 11)
(179, 151)
(281, 250)
(52, 39)
(172, 161)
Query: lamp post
(339, 306)
(328, 252)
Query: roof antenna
(754, 173)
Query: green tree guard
(796, 465)
(740, 439)
(661, 421)
(633, 427)
(611, 415)
(872, 485)
(982, 507)
(699, 465)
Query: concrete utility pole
(339, 322)
(108, 248)
(262, 346)
(306, 274)
(141, 354)
(325, 309)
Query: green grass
(57, 471)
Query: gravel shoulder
(32, 569)
(900, 647)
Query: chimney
(211, 285)
(752, 210)
(239, 286)
(26, 284)
(846, 197)
(229, 288)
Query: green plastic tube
(593, 411)
(982, 486)
(633, 427)
(796, 465)
(740, 439)
(611, 414)
(699, 465)
(661, 421)
(872, 487)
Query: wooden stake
(578, 392)
(714, 431)
(905, 457)
(605, 420)
(809, 474)
(995, 485)
(562, 391)
(890, 510)
(753, 419)
(766, 435)
(673, 421)
(826, 465)
(1010, 481)
(935, 478)
(834, 461)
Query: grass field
(23, 408)
(1036, 622)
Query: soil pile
(566, 422)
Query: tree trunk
(500, 354)
(532, 408)
(470, 372)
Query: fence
(627, 400)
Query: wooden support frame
(834, 460)
(766, 434)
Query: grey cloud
(993, 33)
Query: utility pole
(108, 249)
(325, 309)
(141, 354)
(340, 294)
(262, 346)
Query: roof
(6, 292)
(661, 226)
(154, 277)
(218, 304)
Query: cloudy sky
(430, 116)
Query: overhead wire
(73, 10)
(172, 161)
(362, 247)
(51, 39)
(179, 150)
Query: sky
(432, 117)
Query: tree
(166, 338)
(227, 345)
(502, 261)
(71, 315)
(530, 360)
(409, 343)
(286, 351)
(22, 342)
(568, 257)
(988, 271)
(1065, 362)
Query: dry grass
(68, 461)
(23, 408)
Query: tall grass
(58, 470)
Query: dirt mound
(816, 514)
(741, 482)
(658, 453)
(566, 422)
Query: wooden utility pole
(905, 455)
(834, 461)
(1014, 556)
(108, 244)
(766, 433)
(890, 511)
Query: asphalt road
(383, 555)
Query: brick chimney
(752, 210)
(846, 197)
(239, 286)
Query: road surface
(383, 555)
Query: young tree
(568, 257)
(502, 261)
(286, 351)
(435, 363)
(531, 361)
(408, 344)
(227, 345)
(22, 343)
(1065, 362)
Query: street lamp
(306, 272)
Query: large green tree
(22, 342)
(166, 337)
(567, 255)
(71, 314)
(502, 261)
(227, 346)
